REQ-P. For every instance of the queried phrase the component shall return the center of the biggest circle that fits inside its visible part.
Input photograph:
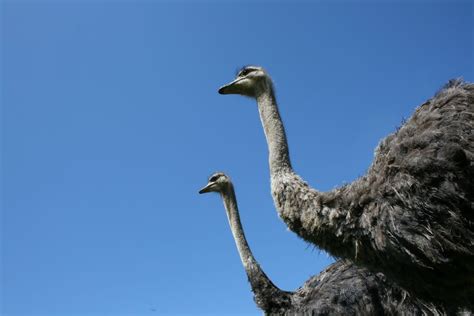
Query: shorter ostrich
(342, 289)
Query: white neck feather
(279, 157)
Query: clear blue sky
(111, 122)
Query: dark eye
(213, 178)
(245, 72)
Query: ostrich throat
(266, 293)
(279, 157)
(315, 222)
(232, 212)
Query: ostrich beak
(230, 88)
(207, 188)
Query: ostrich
(341, 289)
(410, 216)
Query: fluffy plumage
(341, 289)
(411, 216)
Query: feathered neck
(230, 204)
(267, 295)
(279, 156)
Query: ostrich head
(218, 182)
(250, 81)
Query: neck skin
(304, 209)
(230, 204)
(267, 295)
(279, 156)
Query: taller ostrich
(411, 216)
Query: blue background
(111, 123)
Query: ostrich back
(346, 289)
(415, 205)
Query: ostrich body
(341, 289)
(410, 216)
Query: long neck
(279, 157)
(232, 211)
(315, 216)
(267, 295)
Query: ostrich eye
(213, 178)
(245, 72)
